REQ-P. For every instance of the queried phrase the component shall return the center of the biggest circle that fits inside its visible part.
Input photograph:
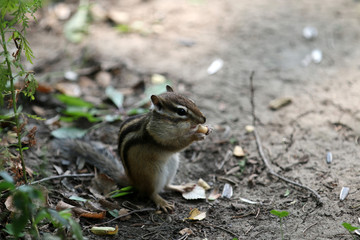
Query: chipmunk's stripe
(129, 127)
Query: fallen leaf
(344, 192)
(118, 17)
(197, 193)
(249, 128)
(279, 103)
(105, 230)
(9, 204)
(38, 110)
(116, 97)
(70, 89)
(196, 214)
(203, 184)
(43, 88)
(227, 191)
(187, 231)
(103, 184)
(158, 79)
(238, 151)
(215, 66)
(248, 201)
(76, 28)
(77, 198)
(103, 78)
(214, 194)
(122, 212)
(68, 132)
(93, 215)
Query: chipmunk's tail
(93, 153)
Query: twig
(309, 227)
(219, 227)
(262, 154)
(63, 176)
(127, 214)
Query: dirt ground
(266, 37)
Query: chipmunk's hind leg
(171, 168)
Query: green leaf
(78, 112)
(114, 213)
(136, 111)
(77, 198)
(9, 228)
(111, 118)
(73, 101)
(35, 117)
(120, 194)
(76, 28)
(279, 214)
(4, 185)
(6, 177)
(154, 89)
(128, 188)
(116, 97)
(41, 215)
(287, 193)
(123, 28)
(76, 230)
(349, 227)
(68, 132)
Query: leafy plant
(121, 192)
(28, 204)
(280, 215)
(14, 20)
(350, 228)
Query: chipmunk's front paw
(163, 204)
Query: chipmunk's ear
(156, 102)
(169, 89)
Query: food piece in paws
(203, 129)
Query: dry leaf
(214, 195)
(70, 89)
(9, 204)
(158, 79)
(103, 184)
(187, 231)
(227, 191)
(122, 212)
(279, 103)
(105, 230)
(94, 215)
(203, 184)
(249, 128)
(344, 192)
(38, 110)
(43, 88)
(103, 78)
(238, 151)
(197, 193)
(196, 214)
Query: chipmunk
(149, 145)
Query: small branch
(126, 214)
(63, 176)
(262, 154)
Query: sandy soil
(264, 37)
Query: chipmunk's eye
(181, 111)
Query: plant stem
(13, 94)
(281, 229)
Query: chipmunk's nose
(203, 119)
